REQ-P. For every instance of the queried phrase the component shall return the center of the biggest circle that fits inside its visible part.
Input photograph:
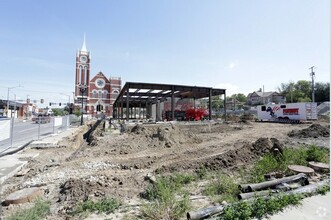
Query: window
(283, 106)
(105, 93)
(263, 108)
(94, 94)
(100, 94)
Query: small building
(15, 109)
(259, 98)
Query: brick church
(97, 94)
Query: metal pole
(53, 125)
(8, 101)
(81, 118)
(312, 83)
(11, 132)
(9, 88)
(39, 127)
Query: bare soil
(115, 165)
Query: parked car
(42, 119)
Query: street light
(9, 88)
(66, 95)
(82, 89)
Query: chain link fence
(15, 133)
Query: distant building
(97, 94)
(259, 98)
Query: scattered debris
(301, 178)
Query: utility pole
(312, 74)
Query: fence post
(53, 125)
(11, 132)
(39, 120)
(68, 121)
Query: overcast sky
(238, 45)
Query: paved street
(25, 131)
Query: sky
(237, 45)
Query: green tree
(241, 97)
(296, 92)
(58, 111)
(216, 102)
(322, 92)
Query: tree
(216, 102)
(241, 97)
(322, 92)
(58, 111)
(296, 92)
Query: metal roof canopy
(136, 94)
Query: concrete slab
(315, 207)
(11, 164)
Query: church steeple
(84, 45)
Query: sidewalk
(315, 207)
(11, 161)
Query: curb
(15, 150)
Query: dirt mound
(313, 131)
(142, 137)
(241, 155)
(244, 155)
(74, 191)
(247, 117)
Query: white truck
(287, 113)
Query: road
(24, 132)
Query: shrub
(223, 186)
(318, 154)
(167, 201)
(259, 207)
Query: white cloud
(232, 65)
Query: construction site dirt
(116, 164)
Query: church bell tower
(82, 82)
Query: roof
(263, 94)
(141, 94)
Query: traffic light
(60, 104)
(41, 101)
(50, 104)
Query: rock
(150, 177)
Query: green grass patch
(107, 205)
(270, 163)
(259, 207)
(39, 210)
(222, 187)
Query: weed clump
(223, 186)
(107, 205)
(269, 163)
(39, 211)
(167, 199)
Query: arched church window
(105, 93)
(94, 94)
